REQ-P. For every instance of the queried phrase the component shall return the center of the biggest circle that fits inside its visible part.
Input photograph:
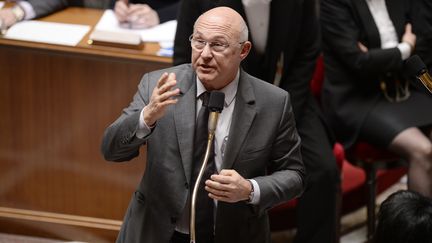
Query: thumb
(408, 28)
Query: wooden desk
(55, 102)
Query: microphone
(215, 105)
(417, 68)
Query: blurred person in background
(367, 95)
(133, 14)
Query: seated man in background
(405, 217)
(137, 15)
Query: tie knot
(205, 98)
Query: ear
(246, 47)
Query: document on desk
(48, 32)
(161, 33)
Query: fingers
(165, 82)
(228, 186)
(7, 18)
(409, 37)
(408, 28)
(217, 191)
(137, 9)
(142, 16)
(362, 47)
(164, 91)
(162, 96)
(121, 11)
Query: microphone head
(216, 101)
(415, 66)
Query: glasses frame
(211, 44)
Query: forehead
(215, 27)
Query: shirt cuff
(143, 129)
(405, 50)
(28, 10)
(256, 195)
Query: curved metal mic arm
(212, 127)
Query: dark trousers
(316, 217)
(180, 238)
(184, 238)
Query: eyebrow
(215, 38)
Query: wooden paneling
(55, 103)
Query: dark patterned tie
(204, 204)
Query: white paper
(161, 33)
(48, 32)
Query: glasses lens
(218, 47)
(199, 45)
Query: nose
(207, 52)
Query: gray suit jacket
(263, 144)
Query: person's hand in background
(409, 37)
(142, 16)
(9, 17)
(135, 16)
(121, 10)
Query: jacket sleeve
(120, 142)
(46, 7)
(287, 172)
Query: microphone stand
(212, 128)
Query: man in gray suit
(257, 148)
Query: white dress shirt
(258, 16)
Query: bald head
(226, 17)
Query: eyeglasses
(215, 46)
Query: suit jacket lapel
(370, 28)
(243, 116)
(184, 119)
(396, 10)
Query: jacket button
(173, 220)
(186, 185)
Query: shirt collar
(230, 90)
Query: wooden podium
(55, 103)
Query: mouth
(206, 68)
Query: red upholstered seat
(375, 162)
(369, 154)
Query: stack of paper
(48, 32)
